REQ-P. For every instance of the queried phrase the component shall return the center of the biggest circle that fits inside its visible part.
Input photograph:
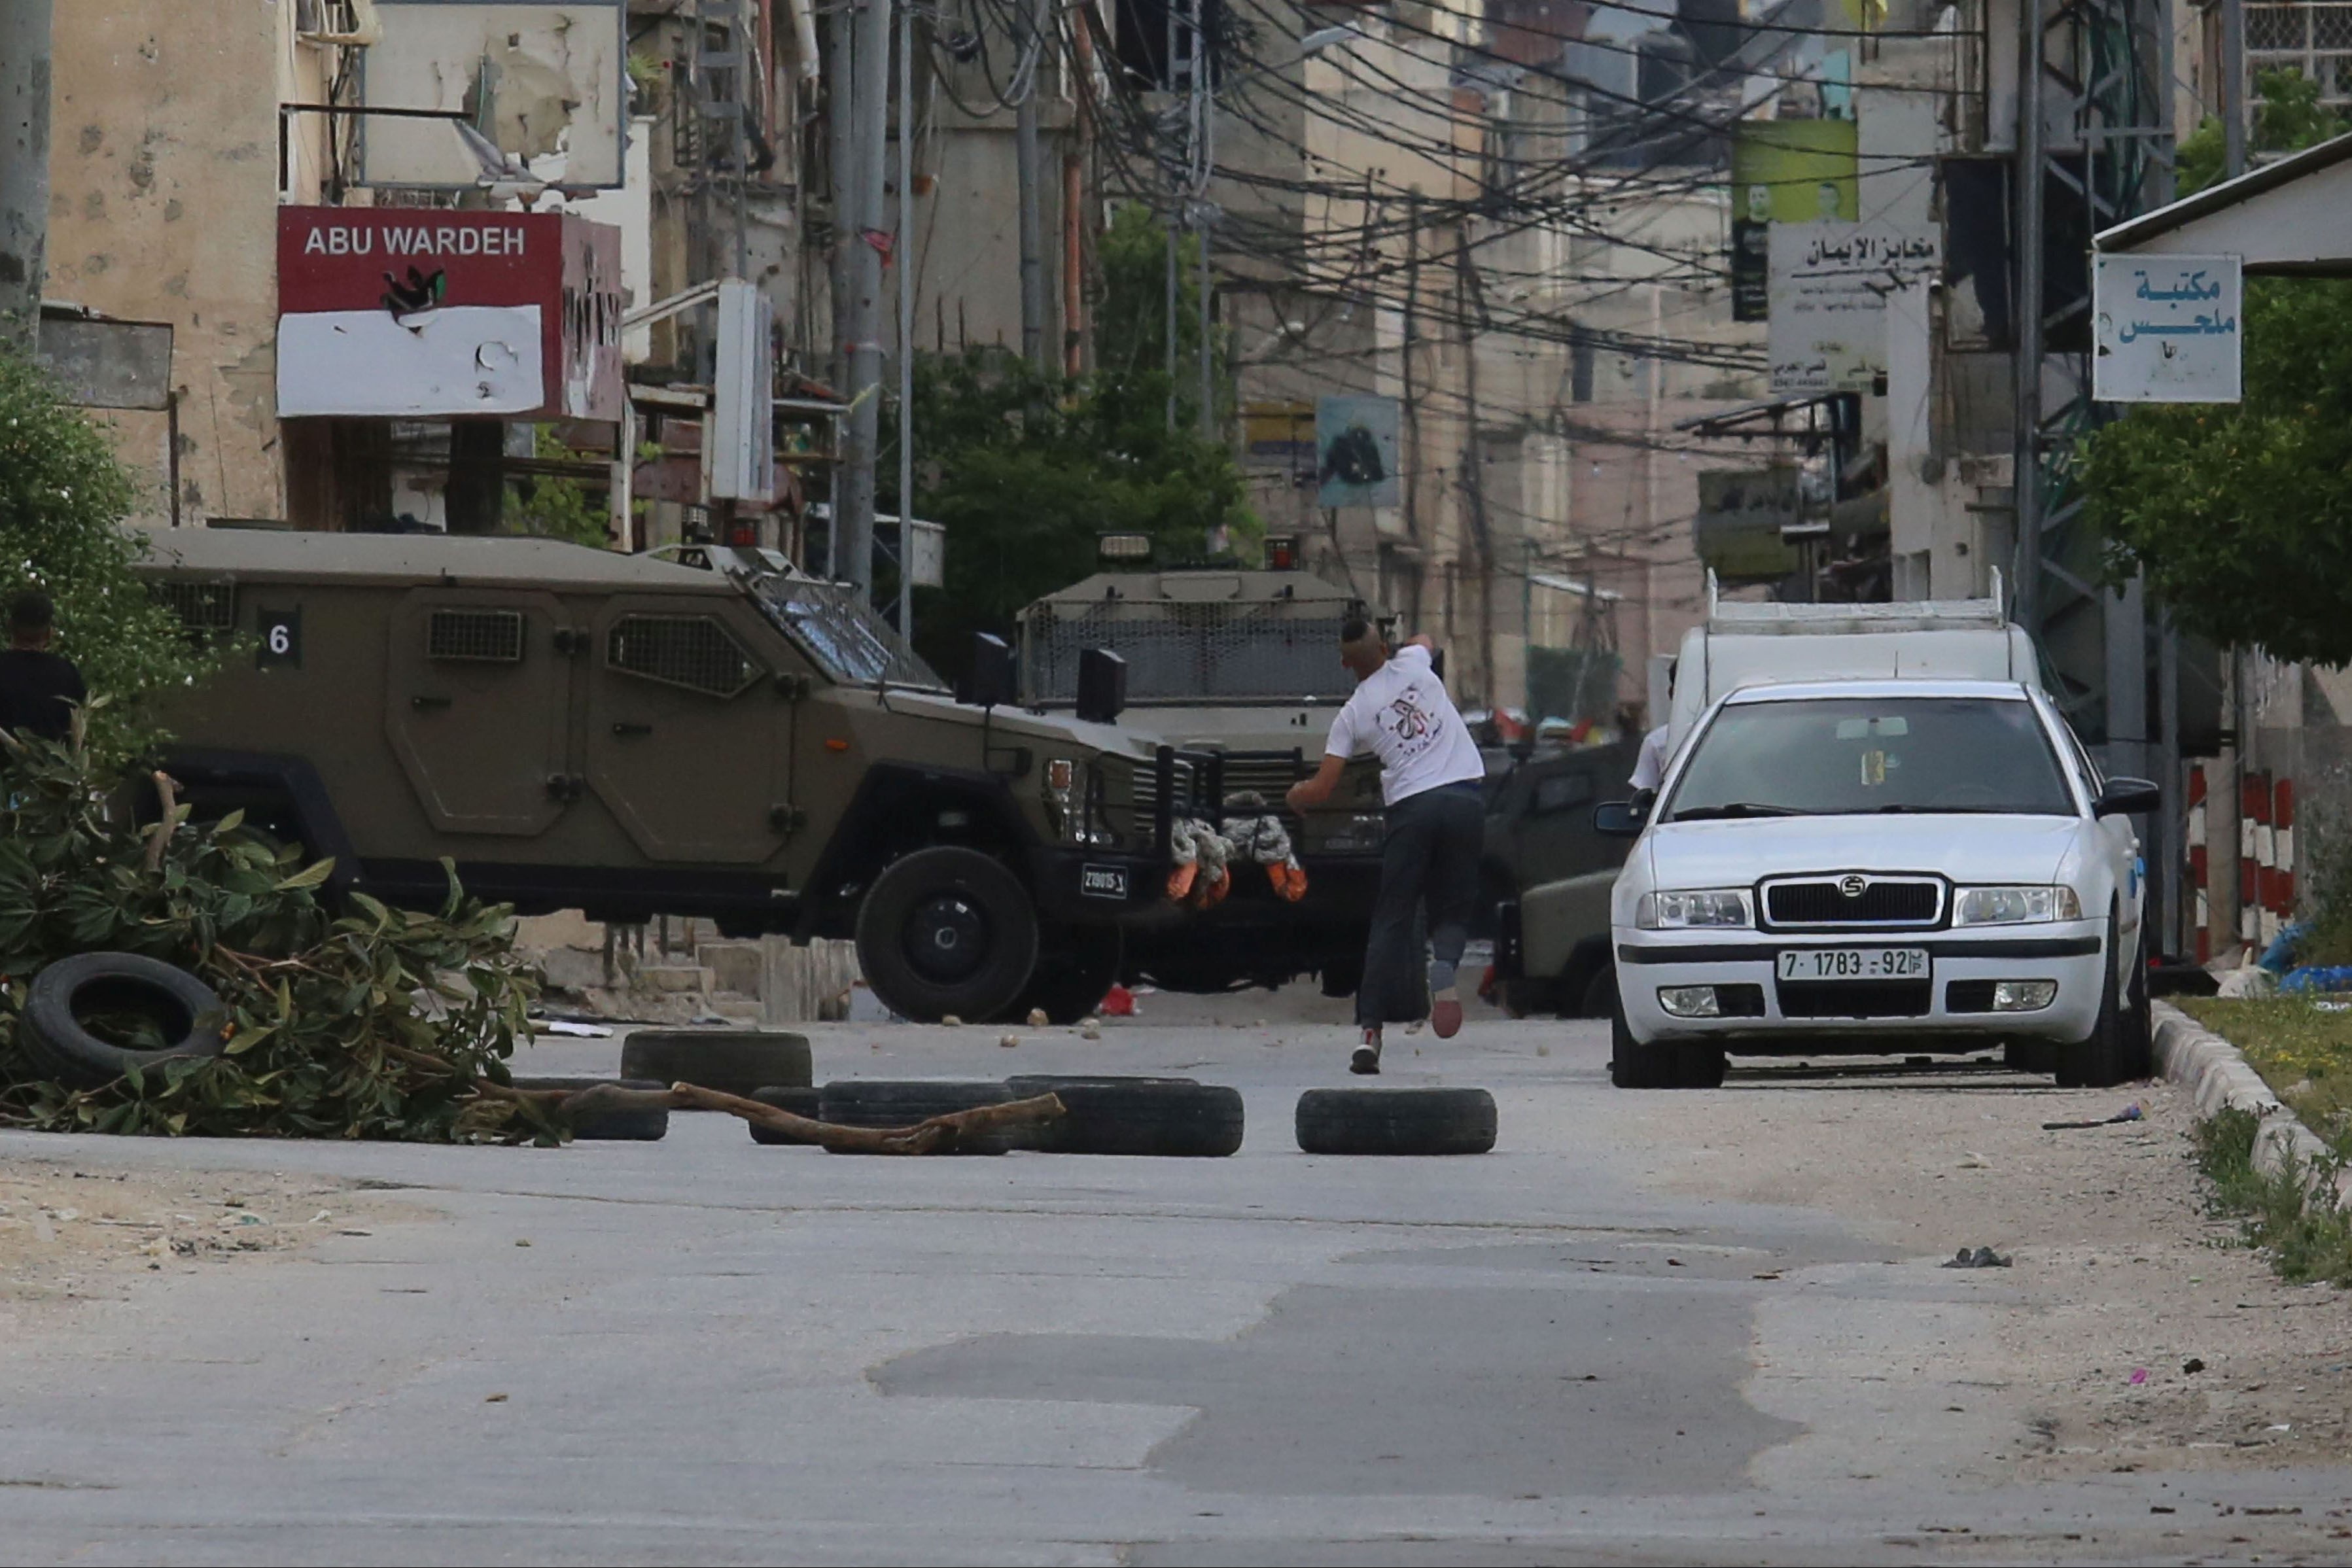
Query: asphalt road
(711, 1351)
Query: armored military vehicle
(1240, 671)
(631, 737)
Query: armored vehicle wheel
(1396, 1121)
(612, 1126)
(1076, 965)
(119, 992)
(1165, 1117)
(732, 1060)
(947, 930)
(902, 1103)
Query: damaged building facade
(208, 160)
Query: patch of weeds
(2302, 1051)
(2294, 1214)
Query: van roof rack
(1767, 619)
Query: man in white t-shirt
(1650, 763)
(1432, 781)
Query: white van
(1780, 645)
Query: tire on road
(1165, 1117)
(2100, 1059)
(947, 930)
(1669, 1064)
(902, 1103)
(1600, 999)
(65, 996)
(740, 1062)
(799, 1099)
(609, 1126)
(1396, 1121)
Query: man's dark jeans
(1430, 855)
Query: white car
(1881, 866)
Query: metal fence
(2313, 40)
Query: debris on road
(1978, 1257)
(2193, 1365)
(2131, 1113)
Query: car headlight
(2014, 905)
(1681, 911)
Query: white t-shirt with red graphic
(1403, 715)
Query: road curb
(2220, 1078)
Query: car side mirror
(1617, 819)
(991, 670)
(2127, 798)
(1102, 685)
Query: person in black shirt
(37, 688)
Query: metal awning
(2285, 218)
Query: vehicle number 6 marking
(280, 634)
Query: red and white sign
(407, 313)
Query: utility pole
(23, 168)
(841, 127)
(2233, 88)
(903, 251)
(1172, 226)
(1474, 468)
(1204, 165)
(2027, 452)
(1024, 156)
(864, 329)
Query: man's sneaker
(1366, 1059)
(1445, 1013)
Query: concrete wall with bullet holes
(165, 181)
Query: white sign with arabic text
(1830, 287)
(2165, 329)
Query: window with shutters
(474, 636)
(695, 652)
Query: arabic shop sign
(2167, 329)
(1830, 287)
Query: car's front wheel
(2102, 1059)
(1669, 1064)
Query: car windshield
(852, 644)
(1853, 756)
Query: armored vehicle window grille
(846, 639)
(476, 636)
(205, 608)
(690, 651)
(1239, 652)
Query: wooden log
(939, 1135)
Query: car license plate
(1103, 881)
(1853, 964)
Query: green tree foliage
(1026, 466)
(554, 508)
(377, 1025)
(63, 499)
(2240, 515)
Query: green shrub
(64, 498)
(377, 1025)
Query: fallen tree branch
(938, 1135)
